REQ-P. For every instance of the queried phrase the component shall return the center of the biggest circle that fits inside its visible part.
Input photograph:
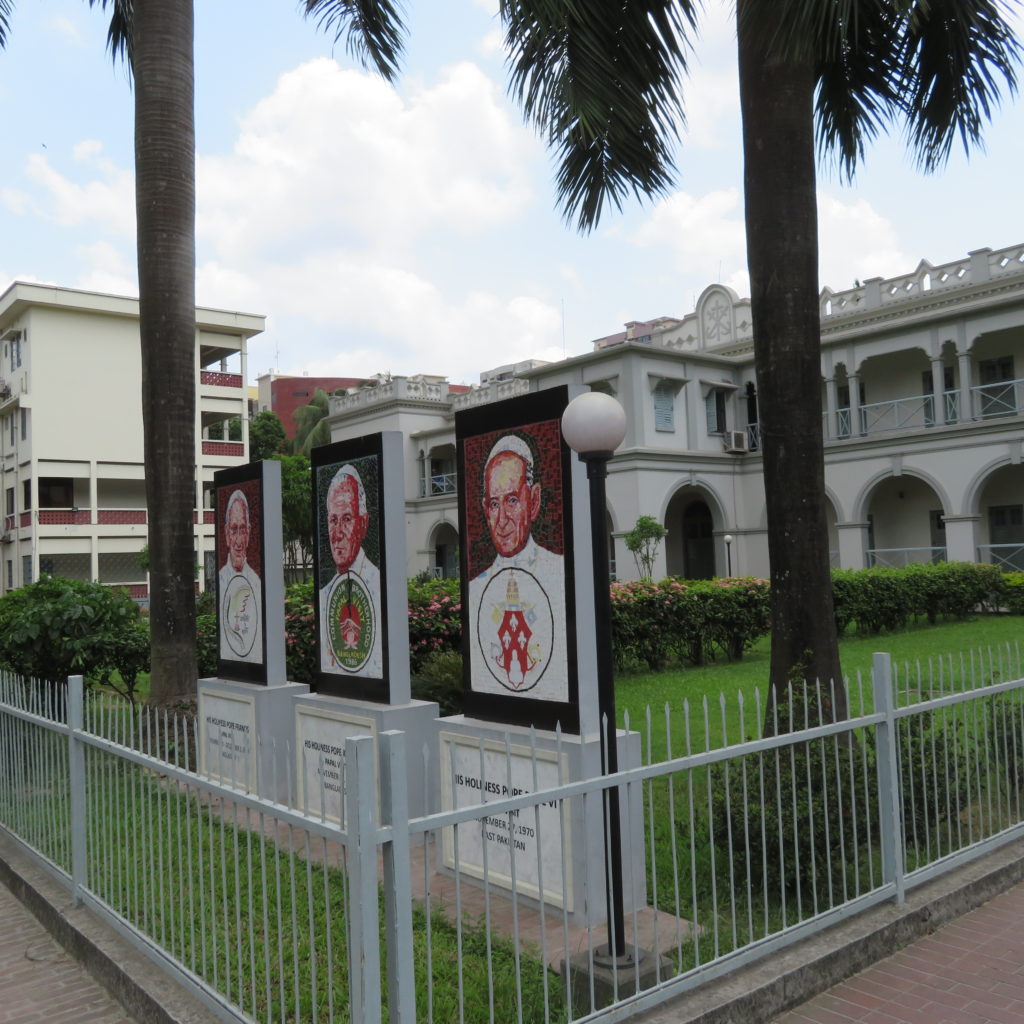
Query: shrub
(58, 627)
(653, 623)
(300, 633)
(1011, 592)
(434, 619)
(440, 679)
(791, 819)
(206, 645)
(886, 599)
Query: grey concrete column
(966, 410)
(938, 391)
(856, 427)
(853, 542)
(962, 538)
(831, 404)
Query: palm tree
(311, 429)
(603, 82)
(155, 37)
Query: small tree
(296, 509)
(643, 541)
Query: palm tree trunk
(162, 36)
(776, 102)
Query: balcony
(898, 558)
(219, 379)
(439, 483)
(235, 449)
(987, 401)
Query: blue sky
(414, 229)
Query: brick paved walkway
(970, 971)
(39, 982)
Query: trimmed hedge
(1012, 594)
(887, 599)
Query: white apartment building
(71, 446)
(923, 392)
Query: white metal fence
(738, 840)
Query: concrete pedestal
(245, 735)
(322, 724)
(553, 853)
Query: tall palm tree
(603, 82)
(311, 429)
(155, 37)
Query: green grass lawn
(666, 692)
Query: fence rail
(737, 841)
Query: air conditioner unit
(736, 442)
(6, 537)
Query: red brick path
(970, 971)
(40, 982)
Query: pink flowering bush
(686, 620)
(434, 619)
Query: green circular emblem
(350, 625)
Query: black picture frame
(365, 455)
(520, 416)
(249, 480)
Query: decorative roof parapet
(493, 392)
(980, 267)
(397, 389)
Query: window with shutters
(664, 405)
(715, 407)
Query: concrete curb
(145, 992)
(763, 991)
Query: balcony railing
(232, 448)
(897, 558)
(1005, 398)
(439, 483)
(1009, 557)
(988, 401)
(218, 379)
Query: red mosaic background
(254, 553)
(545, 441)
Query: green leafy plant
(643, 541)
(58, 627)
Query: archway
(905, 523)
(690, 545)
(1001, 523)
(444, 546)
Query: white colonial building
(71, 432)
(923, 391)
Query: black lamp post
(594, 425)
(728, 554)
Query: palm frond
(6, 10)
(955, 57)
(373, 29)
(601, 81)
(856, 95)
(119, 34)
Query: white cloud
(108, 270)
(702, 234)
(356, 310)
(337, 153)
(856, 242)
(108, 199)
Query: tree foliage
(266, 436)
(311, 429)
(297, 508)
(643, 542)
(58, 627)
